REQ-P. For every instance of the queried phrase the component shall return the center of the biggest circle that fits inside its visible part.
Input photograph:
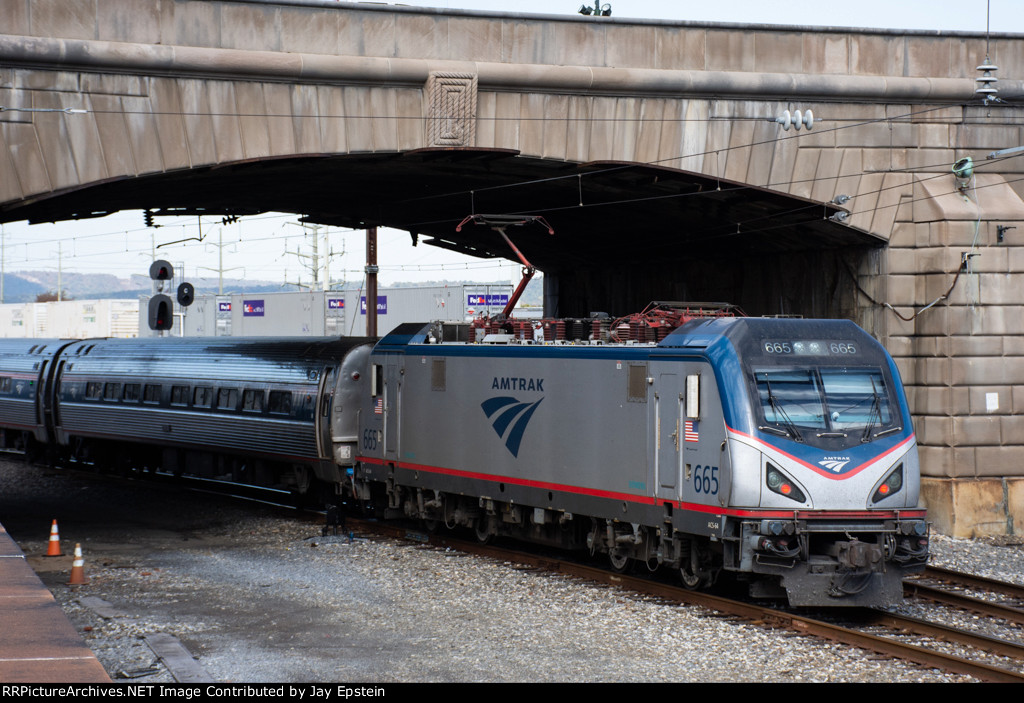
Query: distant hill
(20, 290)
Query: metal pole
(326, 277)
(316, 257)
(371, 282)
(220, 262)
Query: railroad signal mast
(161, 307)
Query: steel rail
(971, 581)
(906, 623)
(958, 600)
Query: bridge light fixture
(598, 10)
(962, 171)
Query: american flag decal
(690, 433)
(378, 407)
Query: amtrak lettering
(835, 463)
(514, 383)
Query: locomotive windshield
(830, 401)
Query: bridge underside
(624, 233)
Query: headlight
(779, 483)
(890, 486)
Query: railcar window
(94, 390)
(377, 381)
(5, 384)
(132, 391)
(834, 399)
(280, 402)
(202, 397)
(179, 395)
(856, 398)
(111, 391)
(227, 399)
(252, 400)
(791, 397)
(151, 393)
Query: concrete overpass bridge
(650, 147)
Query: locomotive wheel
(693, 568)
(691, 580)
(481, 528)
(620, 564)
(692, 575)
(432, 526)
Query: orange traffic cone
(54, 549)
(78, 569)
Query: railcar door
(50, 387)
(325, 392)
(392, 405)
(40, 398)
(705, 476)
(667, 431)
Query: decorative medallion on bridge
(451, 114)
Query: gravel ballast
(258, 596)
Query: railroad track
(998, 599)
(893, 643)
(895, 629)
(877, 631)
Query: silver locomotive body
(780, 450)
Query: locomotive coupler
(857, 555)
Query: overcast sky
(121, 245)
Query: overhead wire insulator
(986, 82)
(796, 120)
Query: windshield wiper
(888, 431)
(779, 412)
(876, 410)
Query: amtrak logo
(511, 419)
(834, 463)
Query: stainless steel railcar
(780, 450)
(26, 378)
(273, 412)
